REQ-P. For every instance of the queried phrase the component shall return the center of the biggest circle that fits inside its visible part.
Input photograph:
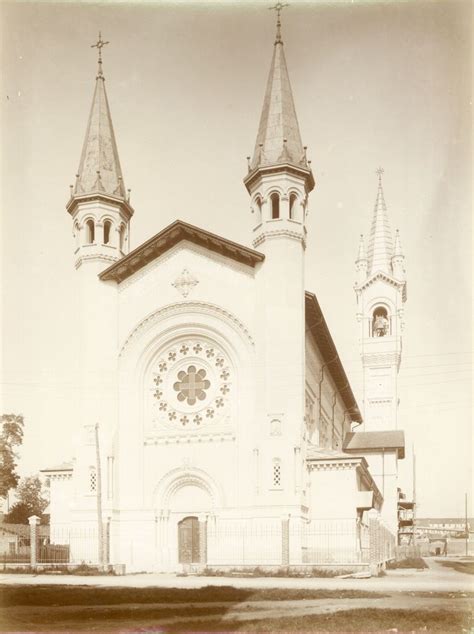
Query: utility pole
(100, 528)
(466, 525)
(414, 495)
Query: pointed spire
(380, 241)
(99, 167)
(278, 139)
(398, 246)
(361, 254)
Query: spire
(380, 241)
(278, 138)
(398, 247)
(99, 167)
(361, 254)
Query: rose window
(191, 385)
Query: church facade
(226, 419)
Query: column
(34, 520)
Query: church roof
(64, 466)
(316, 324)
(375, 440)
(380, 249)
(278, 140)
(99, 166)
(169, 237)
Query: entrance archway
(188, 541)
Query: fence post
(285, 540)
(374, 530)
(203, 539)
(34, 520)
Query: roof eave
(325, 343)
(260, 170)
(72, 203)
(169, 237)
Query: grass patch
(466, 566)
(47, 595)
(409, 562)
(304, 573)
(347, 621)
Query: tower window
(276, 473)
(107, 227)
(258, 205)
(380, 322)
(122, 237)
(92, 480)
(293, 200)
(275, 202)
(90, 231)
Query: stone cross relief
(185, 282)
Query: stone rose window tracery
(191, 386)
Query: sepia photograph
(236, 318)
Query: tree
(31, 501)
(11, 436)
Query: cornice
(268, 170)
(279, 233)
(75, 201)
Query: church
(219, 427)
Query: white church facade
(226, 419)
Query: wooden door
(188, 540)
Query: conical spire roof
(99, 167)
(278, 138)
(380, 249)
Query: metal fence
(61, 544)
(289, 542)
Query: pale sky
(374, 84)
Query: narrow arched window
(107, 227)
(77, 235)
(276, 473)
(275, 203)
(380, 322)
(122, 237)
(90, 231)
(258, 206)
(293, 201)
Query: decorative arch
(186, 476)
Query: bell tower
(380, 292)
(278, 181)
(99, 204)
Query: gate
(188, 540)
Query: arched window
(77, 235)
(107, 227)
(380, 322)
(275, 203)
(276, 473)
(293, 201)
(92, 480)
(90, 231)
(258, 207)
(122, 237)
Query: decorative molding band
(60, 476)
(189, 438)
(95, 256)
(279, 233)
(382, 359)
(205, 308)
(333, 465)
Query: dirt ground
(438, 599)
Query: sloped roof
(375, 440)
(380, 249)
(316, 324)
(64, 466)
(169, 237)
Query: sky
(374, 83)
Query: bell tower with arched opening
(381, 292)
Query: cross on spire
(278, 8)
(99, 46)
